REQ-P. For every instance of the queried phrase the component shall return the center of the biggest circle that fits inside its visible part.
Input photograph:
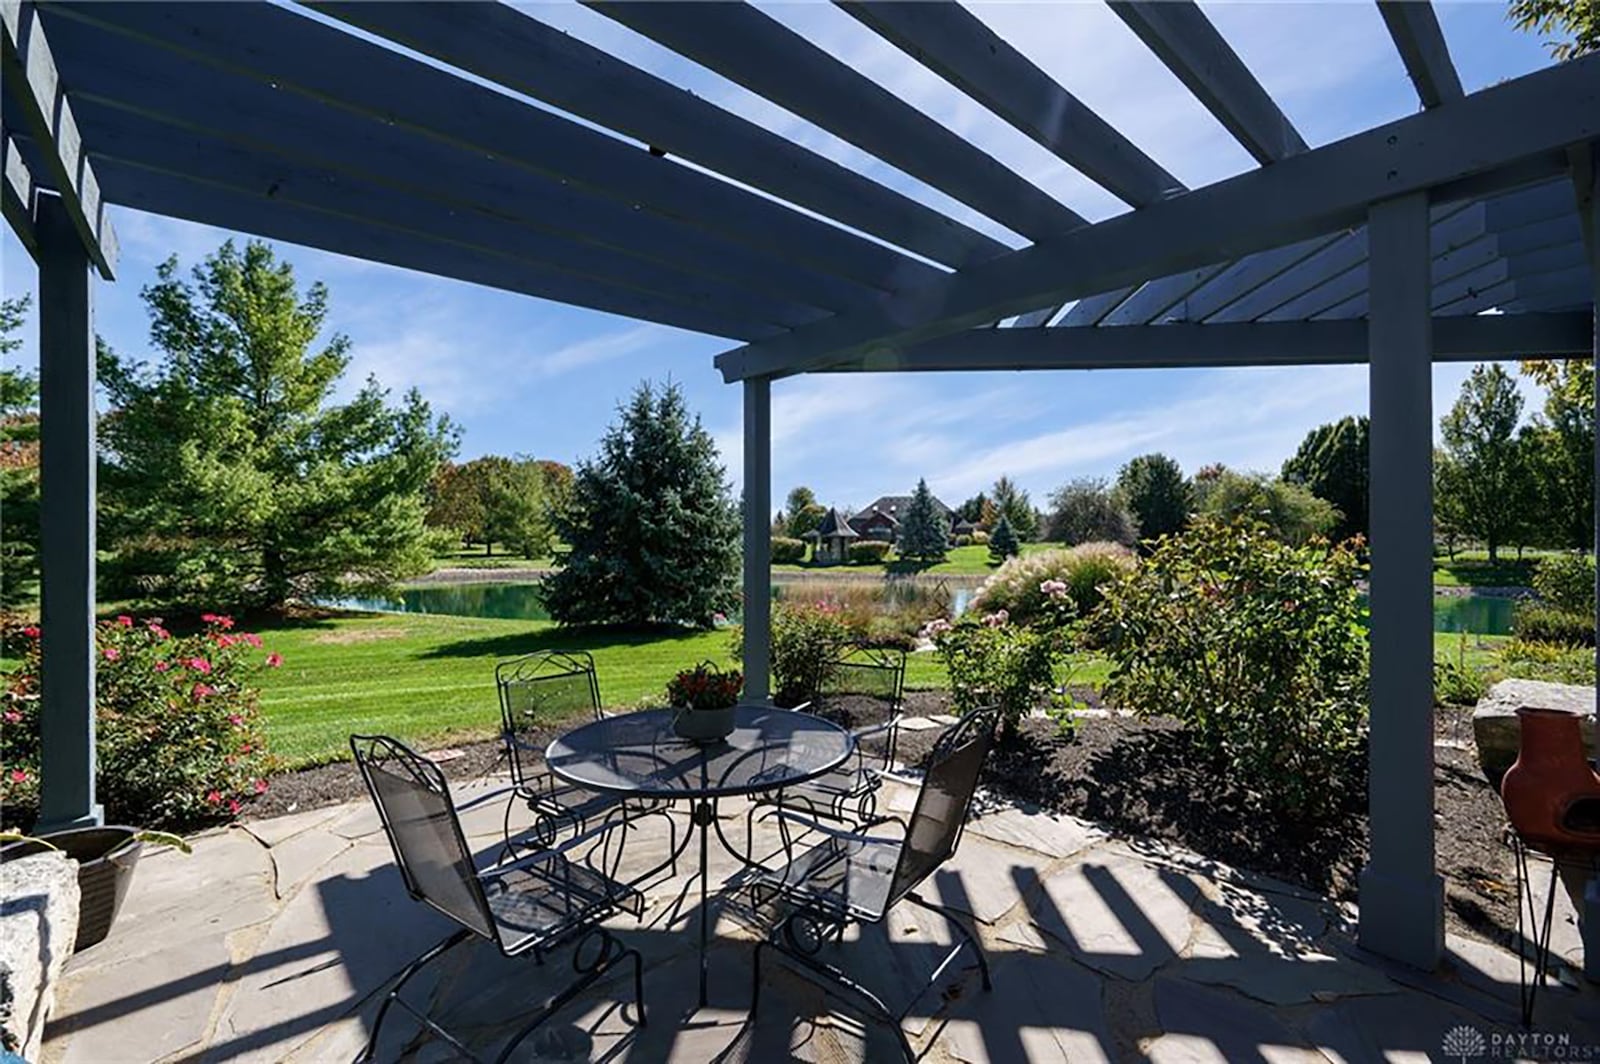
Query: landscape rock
(1495, 725)
(38, 923)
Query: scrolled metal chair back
(872, 672)
(951, 780)
(540, 687)
(414, 806)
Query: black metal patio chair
(862, 689)
(849, 877)
(529, 906)
(537, 689)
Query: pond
(1479, 614)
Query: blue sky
(521, 375)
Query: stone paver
(270, 943)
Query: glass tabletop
(639, 754)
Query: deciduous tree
(802, 512)
(1332, 464)
(1153, 489)
(1290, 512)
(1574, 25)
(652, 527)
(1559, 447)
(1085, 511)
(1485, 459)
(19, 467)
(229, 474)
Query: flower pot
(704, 725)
(106, 858)
(1549, 789)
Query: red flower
(18, 776)
(124, 620)
(233, 805)
(32, 631)
(200, 691)
(214, 797)
(160, 632)
(162, 666)
(274, 660)
(199, 665)
(244, 748)
(236, 720)
(112, 653)
(261, 786)
(12, 716)
(224, 640)
(251, 638)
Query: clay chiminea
(1551, 794)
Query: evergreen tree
(1153, 489)
(652, 527)
(19, 467)
(1013, 503)
(228, 474)
(1003, 541)
(972, 509)
(1332, 464)
(1486, 463)
(924, 535)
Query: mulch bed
(1148, 779)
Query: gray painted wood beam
(180, 197)
(1092, 310)
(147, 144)
(1181, 36)
(1300, 343)
(501, 44)
(16, 194)
(754, 50)
(757, 646)
(1586, 185)
(1401, 893)
(28, 68)
(1151, 301)
(1417, 37)
(66, 521)
(959, 47)
(321, 74)
(1299, 198)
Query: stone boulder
(1497, 731)
(38, 924)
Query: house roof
(895, 506)
(835, 524)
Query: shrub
(868, 552)
(1455, 684)
(1566, 582)
(963, 539)
(1016, 586)
(177, 731)
(806, 639)
(1256, 646)
(980, 538)
(993, 662)
(1526, 660)
(786, 551)
(1547, 624)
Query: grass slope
(960, 561)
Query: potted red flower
(704, 697)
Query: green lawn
(477, 559)
(1472, 569)
(961, 561)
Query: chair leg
(968, 937)
(830, 974)
(394, 992)
(612, 952)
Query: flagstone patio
(272, 941)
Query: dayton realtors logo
(1465, 1044)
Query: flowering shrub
(1017, 586)
(1256, 646)
(177, 729)
(705, 687)
(806, 640)
(993, 662)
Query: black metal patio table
(638, 755)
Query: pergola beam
(1300, 343)
(33, 85)
(959, 47)
(497, 42)
(1299, 198)
(16, 194)
(756, 51)
(1417, 37)
(1181, 36)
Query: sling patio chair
(529, 906)
(543, 688)
(861, 689)
(850, 877)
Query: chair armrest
(839, 833)
(482, 798)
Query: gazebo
(477, 143)
(833, 537)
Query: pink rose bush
(178, 729)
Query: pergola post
(757, 538)
(66, 522)
(1402, 897)
(1589, 217)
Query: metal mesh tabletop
(639, 754)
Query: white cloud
(595, 349)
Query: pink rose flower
(235, 720)
(234, 806)
(261, 786)
(32, 631)
(274, 660)
(200, 665)
(251, 638)
(214, 797)
(12, 716)
(112, 653)
(201, 690)
(18, 776)
(162, 666)
(124, 620)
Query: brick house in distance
(881, 520)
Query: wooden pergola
(491, 148)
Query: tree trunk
(274, 577)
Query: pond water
(1480, 614)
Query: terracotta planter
(106, 858)
(1550, 793)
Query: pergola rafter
(492, 148)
